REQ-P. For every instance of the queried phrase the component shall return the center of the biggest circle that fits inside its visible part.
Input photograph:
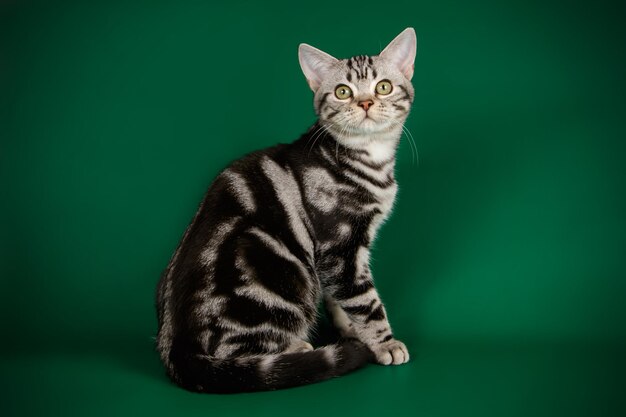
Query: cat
(285, 227)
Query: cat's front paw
(391, 352)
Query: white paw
(299, 346)
(392, 352)
(306, 347)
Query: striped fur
(278, 231)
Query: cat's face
(364, 96)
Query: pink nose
(366, 104)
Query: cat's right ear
(315, 64)
(401, 52)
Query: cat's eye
(384, 87)
(343, 92)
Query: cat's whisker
(324, 128)
(412, 143)
(319, 133)
(410, 138)
(313, 138)
(344, 128)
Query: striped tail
(201, 373)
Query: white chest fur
(381, 152)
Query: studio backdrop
(502, 266)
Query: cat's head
(364, 96)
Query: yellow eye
(343, 92)
(384, 87)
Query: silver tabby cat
(284, 228)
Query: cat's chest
(355, 190)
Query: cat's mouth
(368, 119)
(370, 123)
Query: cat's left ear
(401, 52)
(315, 64)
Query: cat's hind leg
(268, 296)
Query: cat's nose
(366, 104)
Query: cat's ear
(315, 64)
(401, 52)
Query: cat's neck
(379, 146)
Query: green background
(502, 267)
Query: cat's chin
(365, 131)
(370, 126)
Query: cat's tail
(201, 373)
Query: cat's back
(259, 190)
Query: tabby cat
(285, 227)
